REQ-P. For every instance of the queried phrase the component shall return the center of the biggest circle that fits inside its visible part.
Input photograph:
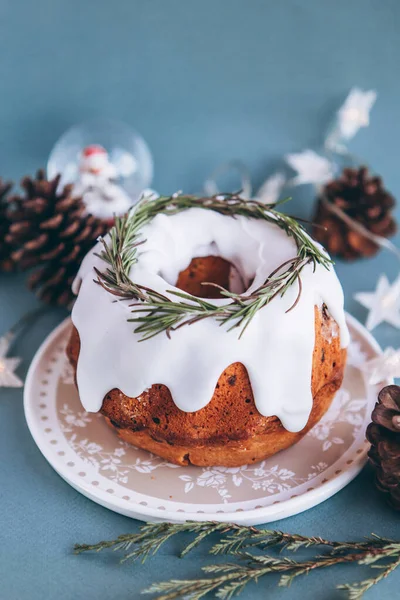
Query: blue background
(203, 82)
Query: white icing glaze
(276, 348)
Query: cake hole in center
(212, 269)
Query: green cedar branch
(245, 545)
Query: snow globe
(107, 162)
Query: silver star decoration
(310, 167)
(383, 304)
(386, 366)
(8, 365)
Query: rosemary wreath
(156, 313)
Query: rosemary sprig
(156, 313)
(229, 579)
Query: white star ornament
(386, 366)
(310, 167)
(8, 365)
(271, 189)
(383, 304)
(354, 113)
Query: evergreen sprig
(246, 545)
(156, 313)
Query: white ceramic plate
(90, 457)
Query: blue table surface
(203, 82)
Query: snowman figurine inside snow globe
(97, 183)
(108, 164)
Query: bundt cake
(203, 391)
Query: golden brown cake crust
(229, 430)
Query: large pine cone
(50, 231)
(6, 262)
(384, 435)
(364, 199)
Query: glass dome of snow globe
(107, 162)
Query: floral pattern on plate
(92, 458)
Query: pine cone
(51, 232)
(384, 435)
(6, 262)
(364, 199)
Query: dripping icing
(276, 349)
